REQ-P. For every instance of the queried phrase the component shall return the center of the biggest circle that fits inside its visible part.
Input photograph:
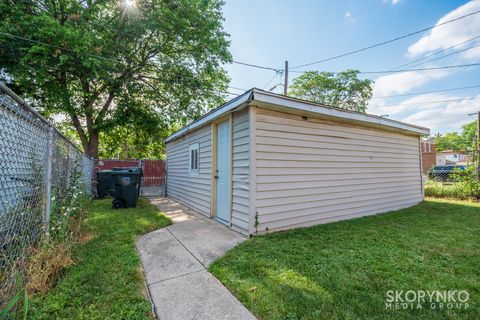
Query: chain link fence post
(48, 182)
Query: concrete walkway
(175, 260)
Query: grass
(343, 270)
(106, 281)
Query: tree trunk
(92, 146)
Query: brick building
(429, 155)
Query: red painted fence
(153, 170)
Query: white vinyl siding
(240, 173)
(315, 171)
(192, 190)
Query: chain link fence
(41, 175)
(458, 180)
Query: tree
(455, 141)
(105, 65)
(449, 141)
(343, 90)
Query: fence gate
(153, 177)
(153, 181)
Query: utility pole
(477, 162)
(285, 85)
(478, 144)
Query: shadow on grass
(343, 270)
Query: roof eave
(233, 104)
(296, 104)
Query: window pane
(196, 159)
(192, 159)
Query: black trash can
(127, 187)
(105, 184)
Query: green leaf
(6, 311)
(25, 305)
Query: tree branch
(80, 131)
(105, 107)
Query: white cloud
(393, 2)
(398, 83)
(412, 104)
(440, 116)
(450, 34)
(471, 54)
(445, 116)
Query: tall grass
(455, 190)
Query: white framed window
(193, 159)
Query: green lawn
(106, 281)
(343, 270)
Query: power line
(227, 92)
(425, 92)
(256, 66)
(437, 52)
(423, 69)
(429, 102)
(429, 61)
(105, 58)
(106, 27)
(386, 42)
(274, 76)
(407, 70)
(237, 88)
(93, 55)
(447, 55)
(57, 47)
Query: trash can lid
(127, 171)
(105, 171)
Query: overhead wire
(429, 102)
(407, 70)
(256, 66)
(385, 42)
(437, 52)
(92, 55)
(423, 69)
(277, 71)
(57, 47)
(426, 92)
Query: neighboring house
(451, 157)
(265, 162)
(429, 155)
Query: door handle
(216, 176)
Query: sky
(268, 32)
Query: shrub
(466, 186)
(54, 253)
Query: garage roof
(285, 102)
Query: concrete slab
(164, 257)
(207, 240)
(175, 261)
(197, 296)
